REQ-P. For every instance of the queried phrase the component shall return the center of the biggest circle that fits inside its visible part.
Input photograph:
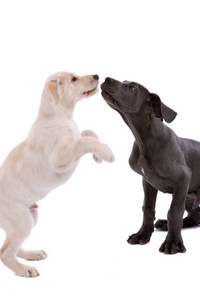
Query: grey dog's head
(131, 97)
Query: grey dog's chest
(151, 173)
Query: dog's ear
(56, 90)
(161, 110)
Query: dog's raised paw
(106, 153)
(97, 159)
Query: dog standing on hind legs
(45, 160)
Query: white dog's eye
(74, 79)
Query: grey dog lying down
(167, 163)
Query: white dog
(45, 160)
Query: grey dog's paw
(139, 238)
(161, 224)
(172, 245)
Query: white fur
(45, 160)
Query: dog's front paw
(172, 245)
(97, 159)
(140, 238)
(105, 153)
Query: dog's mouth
(108, 98)
(113, 103)
(90, 92)
(91, 89)
(106, 93)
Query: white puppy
(45, 160)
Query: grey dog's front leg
(144, 234)
(174, 242)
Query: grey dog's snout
(109, 80)
(96, 77)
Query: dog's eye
(74, 79)
(131, 86)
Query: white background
(84, 225)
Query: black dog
(167, 162)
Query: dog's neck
(146, 132)
(48, 111)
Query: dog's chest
(151, 174)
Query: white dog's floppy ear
(56, 89)
(161, 110)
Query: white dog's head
(65, 89)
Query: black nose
(96, 77)
(109, 80)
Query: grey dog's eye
(132, 87)
(74, 78)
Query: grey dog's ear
(161, 110)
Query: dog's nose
(96, 77)
(109, 80)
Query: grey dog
(167, 163)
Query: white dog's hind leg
(32, 254)
(34, 212)
(17, 231)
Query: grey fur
(166, 162)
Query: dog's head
(131, 97)
(66, 89)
